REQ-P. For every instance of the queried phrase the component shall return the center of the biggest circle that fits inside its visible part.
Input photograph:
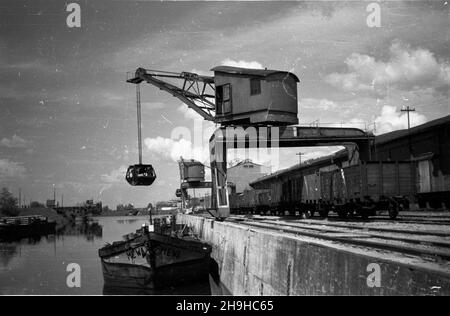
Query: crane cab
(255, 96)
(192, 170)
(140, 175)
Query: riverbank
(116, 213)
(50, 213)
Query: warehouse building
(243, 173)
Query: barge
(149, 260)
(12, 228)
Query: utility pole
(408, 109)
(20, 197)
(299, 154)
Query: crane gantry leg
(273, 136)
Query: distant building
(51, 204)
(167, 207)
(245, 172)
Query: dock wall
(253, 261)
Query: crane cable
(138, 109)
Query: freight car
(250, 201)
(366, 188)
(361, 190)
(429, 144)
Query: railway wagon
(362, 189)
(284, 195)
(368, 187)
(250, 201)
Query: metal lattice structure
(196, 91)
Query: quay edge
(252, 261)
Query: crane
(195, 92)
(242, 98)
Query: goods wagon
(250, 201)
(361, 189)
(366, 188)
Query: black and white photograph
(223, 155)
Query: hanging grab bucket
(140, 175)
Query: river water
(39, 266)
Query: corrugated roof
(252, 72)
(343, 153)
(384, 138)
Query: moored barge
(152, 260)
(25, 226)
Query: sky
(67, 115)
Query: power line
(300, 154)
(408, 109)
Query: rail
(428, 243)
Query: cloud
(11, 169)
(390, 120)
(319, 104)
(406, 69)
(15, 142)
(242, 64)
(152, 105)
(115, 176)
(188, 113)
(174, 149)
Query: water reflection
(38, 265)
(89, 230)
(127, 221)
(7, 252)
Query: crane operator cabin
(255, 96)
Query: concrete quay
(253, 261)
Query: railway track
(417, 221)
(430, 243)
(407, 219)
(401, 219)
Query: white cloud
(152, 105)
(406, 69)
(174, 149)
(188, 113)
(15, 142)
(11, 169)
(186, 142)
(115, 176)
(242, 64)
(390, 120)
(319, 104)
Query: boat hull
(162, 261)
(122, 275)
